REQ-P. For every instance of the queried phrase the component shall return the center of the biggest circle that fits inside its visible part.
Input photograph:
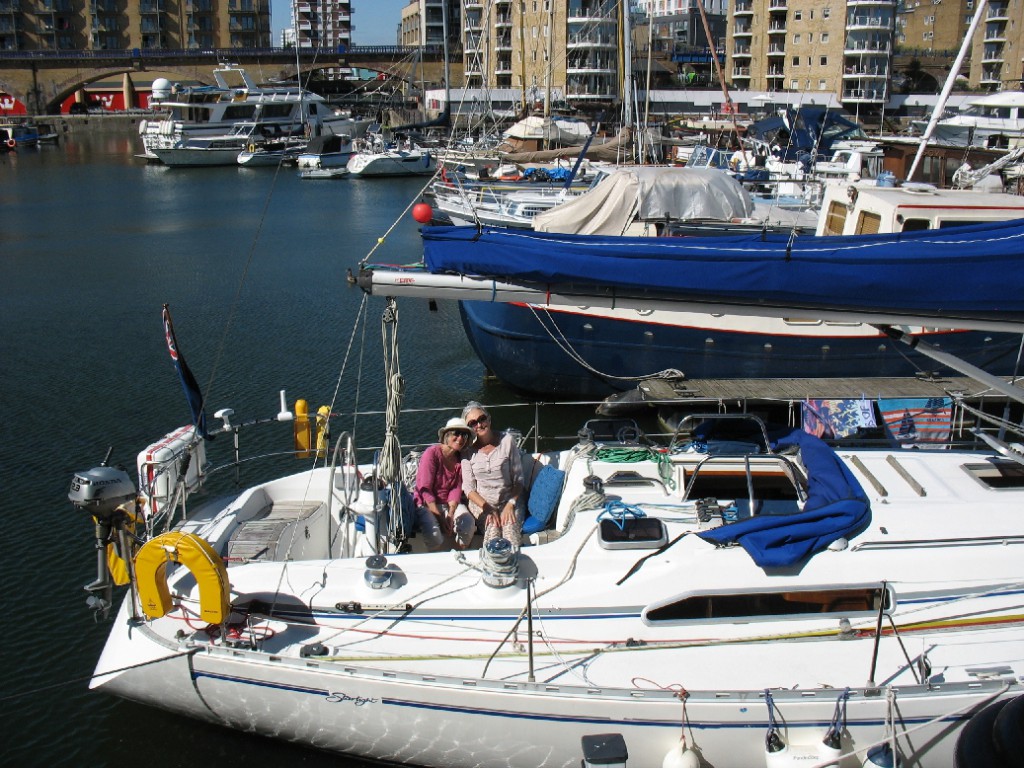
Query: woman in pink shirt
(438, 494)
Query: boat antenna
(954, 72)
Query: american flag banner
(918, 421)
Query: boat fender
(323, 431)
(199, 557)
(881, 756)
(302, 429)
(681, 756)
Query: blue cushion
(544, 495)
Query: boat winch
(105, 493)
(500, 562)
(378, 573)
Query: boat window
(277, 110)
(868, 223)
(997, 473)
(915, 225)
(835, 220)
(238, 112)
(749, 605)
(948, 223)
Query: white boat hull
(192, 157)
(396, 163)
(460, 722)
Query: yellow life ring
(251, 148)
(199, 557)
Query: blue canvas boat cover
(968, 272)
(836, 507)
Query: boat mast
(626, 63)
(954, 71)
(647, 87)
(444, 35)
(547, 77)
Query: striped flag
(918, 421)
(188, 381)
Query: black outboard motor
(102, 493)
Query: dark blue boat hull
(513, 344)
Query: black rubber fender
(1008, 733)
(975, 746)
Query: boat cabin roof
(865, 208)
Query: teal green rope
(628, 455)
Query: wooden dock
(680, 391)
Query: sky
(375, 22)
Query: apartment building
(424, 22)
(535, 45)
(830, 46)
(76, 25)
(322, 25)
(998, 47)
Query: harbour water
(252, 262)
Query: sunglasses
(480, 420)
(461, 435)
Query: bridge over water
(44, 79)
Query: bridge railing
(222, 54)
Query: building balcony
(992, 53)
(740, 72)
(861, 73)
(864, 95)
(589, 16)
(742, 31)
(591, 69)
(743, 8)
(741, 52)
(995, 36)
(997, 13)
(862, 47)
(777, 5)
(503, 20)
(776, 50)
(776, 28)
(865, 3)
(591, 41)
(868, 22)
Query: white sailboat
(676, 601)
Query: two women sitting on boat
(468, 483)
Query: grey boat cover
(648, 193)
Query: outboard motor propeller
(102, 493)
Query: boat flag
(918, 421)
(188, 381)
(833, 419)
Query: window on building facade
(824, 61)
(796, 38)
(810, 37)
(794, 85)
(824, 37)
(826, 12)
(797, 15)
(796, 61)
(821, 85)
